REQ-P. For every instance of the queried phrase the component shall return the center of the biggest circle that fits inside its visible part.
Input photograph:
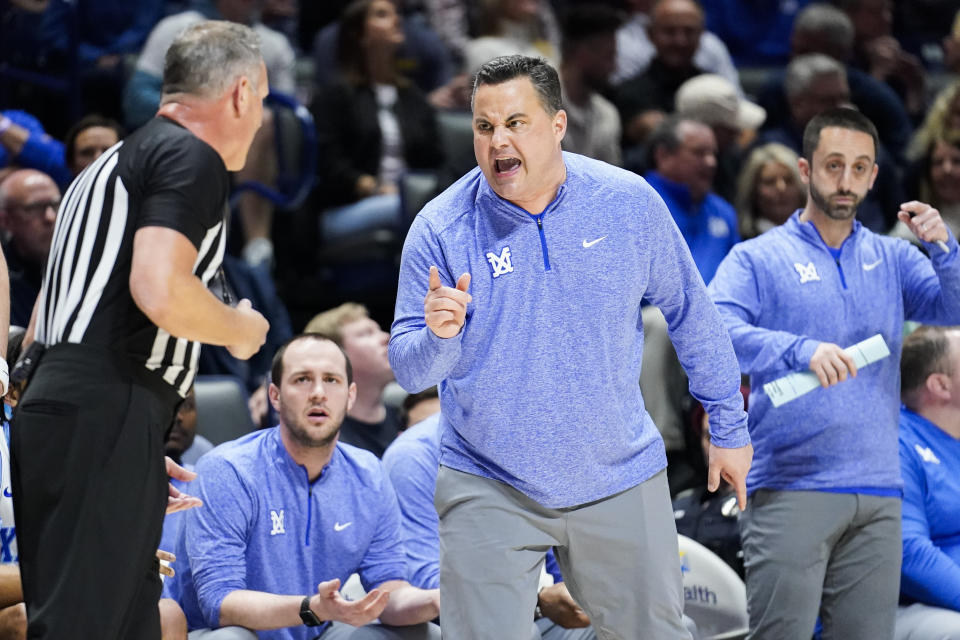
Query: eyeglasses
(37, 209)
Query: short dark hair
(88, 122)
(413, 400)
(276, 367)
(582, 22)
(543, 77)
(842, 117)
(925, 351)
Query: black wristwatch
(307, 615)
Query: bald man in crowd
(28, 209)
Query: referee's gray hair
(207, 57)
(803, 70)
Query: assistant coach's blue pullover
(930, 464)
(782, 294)
(264, 527)
(540, 388)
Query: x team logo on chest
(501, 264)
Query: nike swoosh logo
(587, 245)
(872, 265)
(7, 493)
(340, 527)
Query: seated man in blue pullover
(289, 514)
(520, 292)
(930, 466)
(822, 531)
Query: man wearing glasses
(29, 200)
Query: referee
(123, 309)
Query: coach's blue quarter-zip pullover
(782, 294)
(540, 388)
(263, 526)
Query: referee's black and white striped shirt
(161, 175)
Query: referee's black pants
(90, 493)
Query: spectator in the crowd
(878, 53)
(589, 50)
(709, 517)
(290, 510)
(369, 424)
(29, 200)
(142, 96)
(713, 100)
(821, 532)
(822, 28)
(684, 153)
(942, 117)
(814, 83)
(769, 189)
(417, 407)
(635, 50)
(939, 181)
(930, 466)
(372, 126)
(421, 57)
(951, 46)
(88, 138)
(644, 100)
(24, 144)
(507, 27)
(756, 33)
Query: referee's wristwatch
(307, 615)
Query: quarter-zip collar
(809, 232)
(487, 196)
(284, 460)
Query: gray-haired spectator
(822, 28)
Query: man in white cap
(715, 101)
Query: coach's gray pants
(837, 554)
(619, 559)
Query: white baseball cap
(714, 100)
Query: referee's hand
(256, 331)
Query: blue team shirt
(708, 226)
(782, 294)
(264, 527)
(930, 465)
(539, 390)
(412, 462)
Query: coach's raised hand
(445, 308)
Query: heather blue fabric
(540, 388)
(346, 521)
(930, 464)
(778, 311)
(412, 462)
